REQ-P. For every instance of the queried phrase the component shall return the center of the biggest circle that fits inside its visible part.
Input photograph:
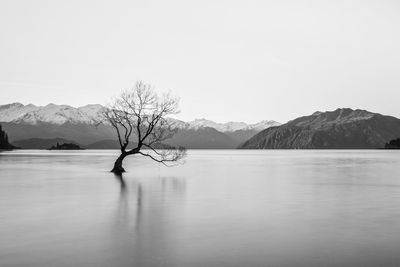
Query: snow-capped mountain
(29, 123)
(60, 114)
(13, 111)
(51, 113)
(231, 126)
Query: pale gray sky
(227, 60)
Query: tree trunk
(118, 169)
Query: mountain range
(338, 129)
(31, 126)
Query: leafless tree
(140, 117)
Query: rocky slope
(339, 129)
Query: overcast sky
(226, 60)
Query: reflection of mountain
(342, 128)
(146, 219)
(24, 122)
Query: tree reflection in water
(148, 219)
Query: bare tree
(140, 117)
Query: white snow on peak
(231, 126)
(262, 125)
(13, 111)
(51, 113)
(92, 111)
(60, 114)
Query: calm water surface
(221, 208)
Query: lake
(221, 208)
